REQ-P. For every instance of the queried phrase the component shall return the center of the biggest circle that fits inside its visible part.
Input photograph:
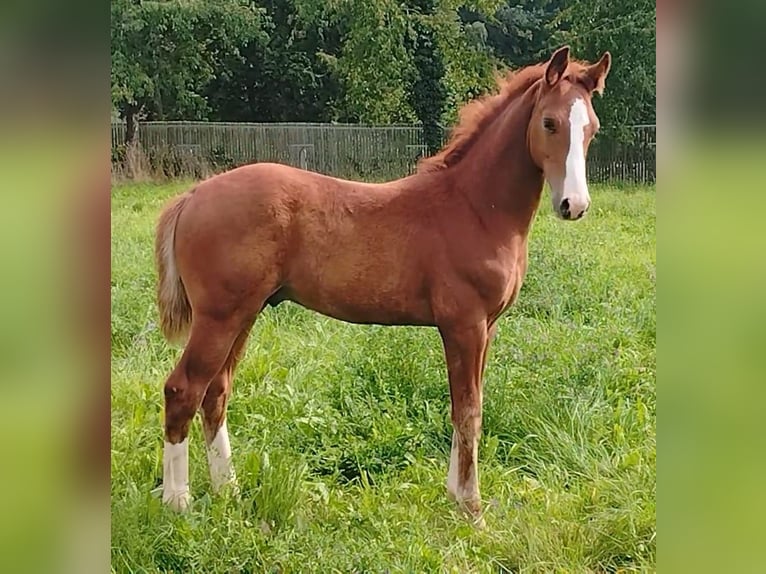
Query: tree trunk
(427, 94)
(134, 164)
(131, 124)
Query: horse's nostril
(565, 208)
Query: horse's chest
(501, 283)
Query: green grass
(341, 433)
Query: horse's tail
(175, 311)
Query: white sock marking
(470, 489)
(452, 474)
(219, 460)
(175, 479)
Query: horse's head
(562, 126)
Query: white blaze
(175, 479)
(575, 184)
(219, 459)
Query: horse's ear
(557, 66)
(598, 72)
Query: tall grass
(341, 433)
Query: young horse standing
(445, 247)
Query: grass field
(341, 433)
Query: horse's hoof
(479, 523)
(231, 487)
(472, 510)
(177, 501)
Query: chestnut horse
(445, 247)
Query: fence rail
(352, 150)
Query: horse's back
(269, 215)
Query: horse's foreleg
(465, 348)
(491, 331)
(214, 419)
(210, 343)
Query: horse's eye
(549, 125)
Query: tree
(518, 32)
(470, 67)
(284, 79)
(165, 53)
(628, 31)
(370, 61)
(427, 93)
(402, 62)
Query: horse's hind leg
(214, 418)
(209, 346)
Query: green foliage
(164, 54)
(341, 433)
(285, 78)
(628, 31)
(518, 32)
(372, 64)
(428, 94)
(368, 61)
(469, 65)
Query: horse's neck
(498, 174)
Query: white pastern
(452, 474)
(175, 479)
(575, 184)
(470, 490)
(219, 460)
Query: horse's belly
(364, 307)
(368, 315)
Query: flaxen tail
(175, 311)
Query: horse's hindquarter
(232, 237)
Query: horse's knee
(214, 406)
(181, 402)
(217, 391)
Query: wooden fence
(353, 151)
(632, 159)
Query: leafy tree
(283, 79)
(470, 67)
(519, 31)
(369, 61)
(403, 62)
(453, 62)
(427, 93)
(627, 30)
(165, 53)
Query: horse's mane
(476, 115)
